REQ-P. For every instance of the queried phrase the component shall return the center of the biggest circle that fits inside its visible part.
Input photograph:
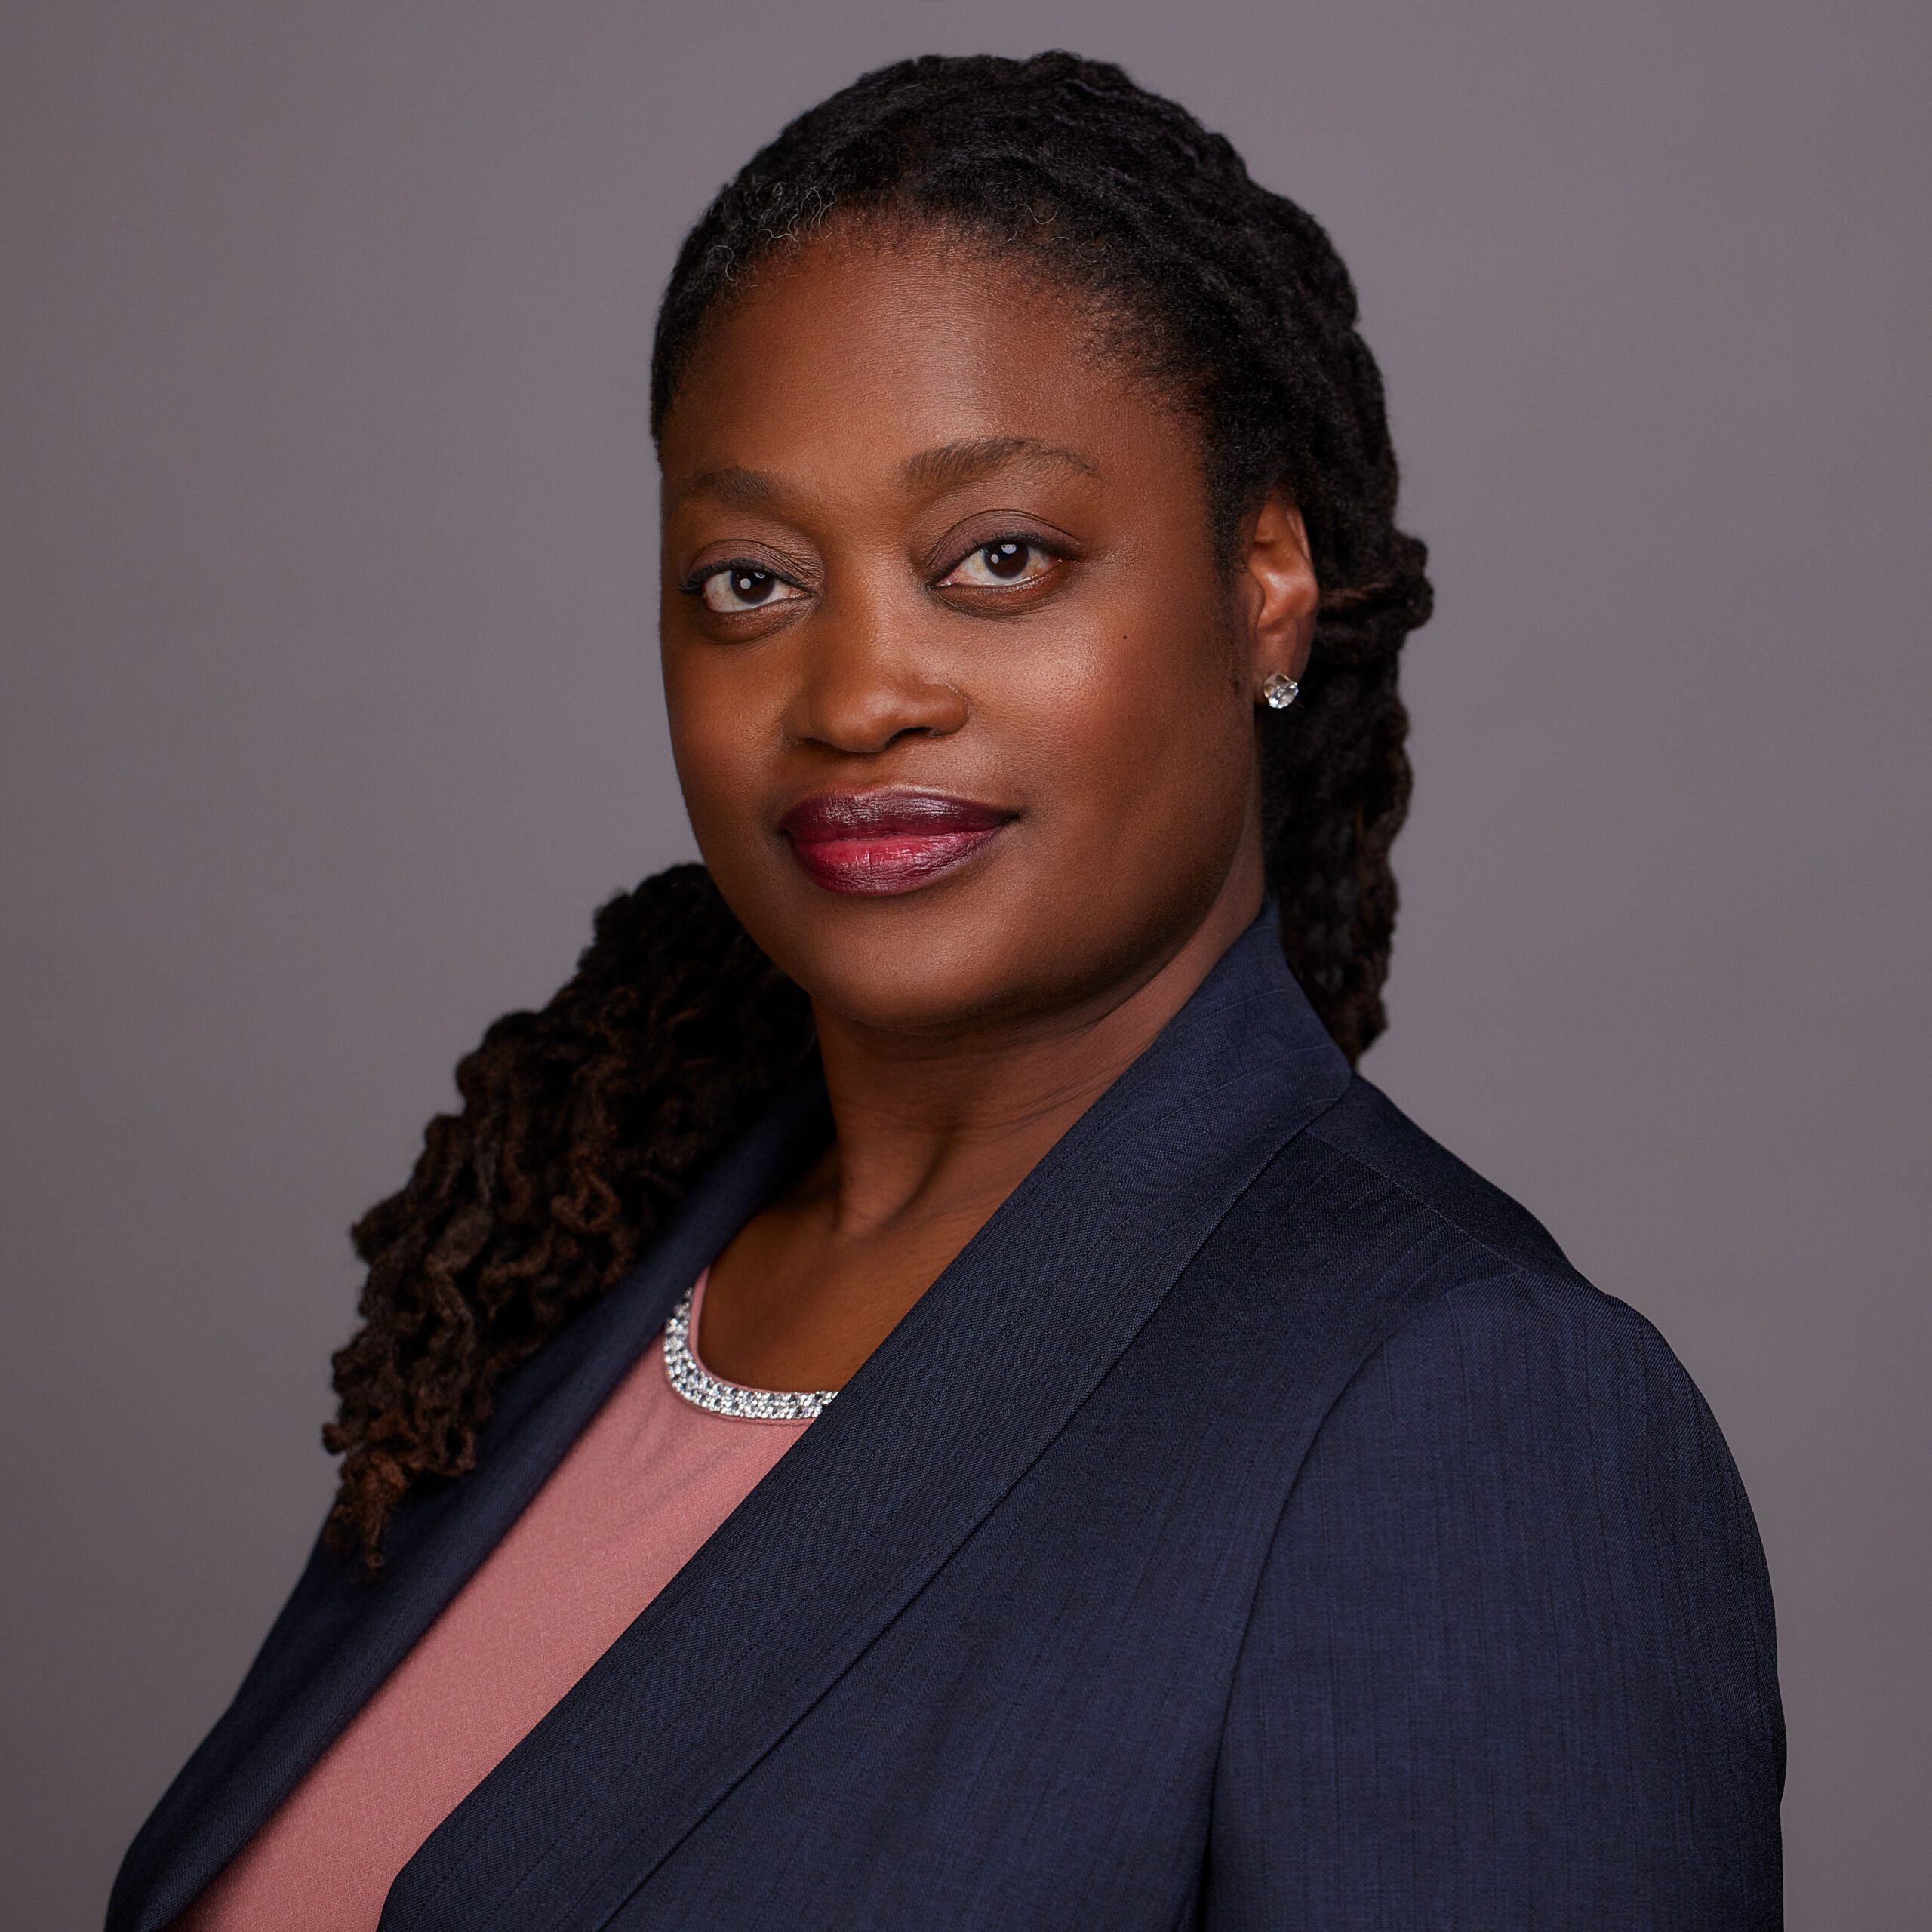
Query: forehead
(861, 351)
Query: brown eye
(745, 587)
(1008, 559)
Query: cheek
(718, 734)
(1146, 721)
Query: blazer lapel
(964, 1396)
(340, 1635)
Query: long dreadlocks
(583, 1124)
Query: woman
(1208, 1501)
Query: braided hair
(582, 1125)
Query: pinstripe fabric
(1260, 1525)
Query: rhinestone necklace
(696, 1383)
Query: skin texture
(854, 429)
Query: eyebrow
(954, 463)
(945, 468)
(730, 485)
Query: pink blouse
(640, 1491)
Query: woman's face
(961, 703)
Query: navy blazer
(1260, 1524)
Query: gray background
(329, 710)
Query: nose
(863, 687)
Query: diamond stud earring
(1279, 692)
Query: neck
(943, 1130)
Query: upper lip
(886, 813)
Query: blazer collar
(947, 1413)
(341, 1634)
(959, 1400)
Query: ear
(1276, 594)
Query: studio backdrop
(330, 710)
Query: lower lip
(888, 862)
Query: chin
(914, 975)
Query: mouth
(877, 843)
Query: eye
(1007, 559)
(735, 588)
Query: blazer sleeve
(1511, 1663)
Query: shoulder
(1363, 1217)
(1373, 1144)
(1514, 1585)
(1454, 1336)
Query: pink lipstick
(886, 842)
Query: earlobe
(1282, 598)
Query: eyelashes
(731, 589)
(1001, 564)
(1005, 562)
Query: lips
(880, 842)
